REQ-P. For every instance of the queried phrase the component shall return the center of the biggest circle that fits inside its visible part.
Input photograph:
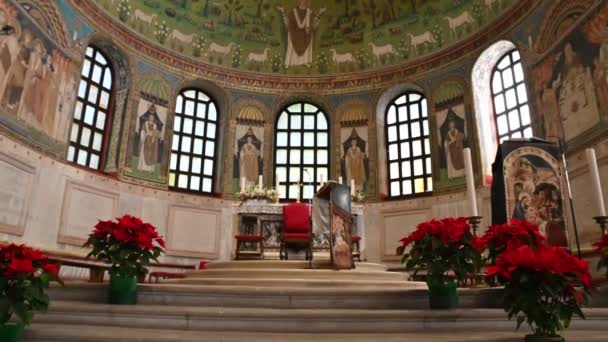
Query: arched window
(91, 121)
(301, 151)
(194, 144)
(511, 111)
(408, 146)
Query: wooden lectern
(337, 199)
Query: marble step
(317, 274)
(297, 282)
(194, 318)
(288, 264)
(414, 297)
(40, 332)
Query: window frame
(426, 174)
(193, 136)
(106, 132)
(288, 147)
(503, 91)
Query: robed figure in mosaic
(300, 24)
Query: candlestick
(260, 181)
(474, 222)
(603, 222)
(352, 187)
(340, 180)
(595, 181)
(242, 183)
(468, 169)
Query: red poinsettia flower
(109, 240)
(53, 269)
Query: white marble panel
(83, 206)
(16, 180)
(398, 225)
(193, 232)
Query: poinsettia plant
(545, 284)
(25, 274)
(501, 237)
(602, 248)
(441, 247)
(129, 244)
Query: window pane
(406, 169)
(309, 139)
(74, 133)
(507, 78)
(94, 161)
(212, 112)
(96, 76)
(403, 114)
(295, 139)
(189, 110)
(82, 157)
(97, 138)
(497, 83)
(281, 156)
(82, 89)
(414, 112)
(195, 183)
(201, 110)
(78, 110)
(391, 116)
(208, 171)
(321, 121)
(394, 170)
(322, 157)
(403, 132)
(93, 91)
(514, 120)
(519, 73)
(501, 123)
(418, 168)
(392, 134)
(188, 123)
(309, 157)
(395, 189)
(294, 157)
(417, 148)
(211, 130)
(499, 103)
(393, 152)
(296, 122)
(309, 122)
(419, 185)
(89, 115)
(184, 163)
(197, 165)
(416, 130)
(198, 147)
(210, 149)
(200, 128)
(282, 124)
(521, 93)
(407, 187)
(85, 137)
(309, 108)
(104, 99)
(86, 68)
(186, 142)
(322, 139)
(101, 120)
(281, 139)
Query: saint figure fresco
(300, 24)
(354, 160)
(150, 128)
(453, 140)
(248, 155)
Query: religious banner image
(300, 22)
(534, 192)
(571, 82)
(354, 159)
(148, 138)
(38, 80)
(248, 150)
(452, 136)
(340, 239)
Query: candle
(596, 184)
(298, 192)
(260, 181)
(340, 180)
(242, 183)
(277, 188)
(468, 170)
(352, 187)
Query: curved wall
(52, 203)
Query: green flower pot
(443, 295)
(123, 290)
(10, 332)
(540, 338)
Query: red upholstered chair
(356, 247)
(297, 229)
(249, 232)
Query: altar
(266, 219)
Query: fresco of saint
(249, 156)
(355, 165)
(300, 24)
(149, 140)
